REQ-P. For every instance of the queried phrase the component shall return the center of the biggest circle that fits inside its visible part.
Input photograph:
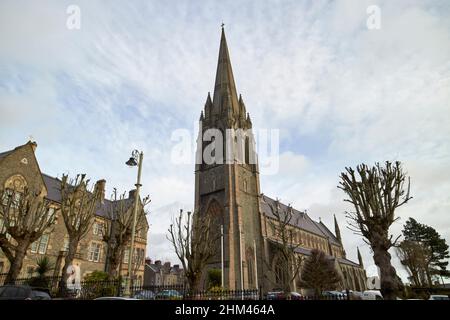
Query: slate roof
(346, 261)
(307, 252)
(4, 154)
(301, 220)
(54, 194)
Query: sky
(133, 73)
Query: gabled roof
(333, 239)
(301, 219)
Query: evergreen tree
(436, 262)
(319, 273)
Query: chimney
(176, 267)
(100, 184)
(132, 194)
(148, 261)
(158, 262)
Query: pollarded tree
(24, 216)
(319, 273)
(283, 227)
(194, 243)
(78, 206)
(119, 227)
(375, 195)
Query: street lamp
(135, 160)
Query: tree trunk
(17, 262)
(114, 262)
(194, 282)
(390, 285)
(73, 245)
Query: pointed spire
(359, 257)
(336, 230)
(208, 106)
(225, 88)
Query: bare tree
(78, 206)
(119, 228)
(24, 217)
(194, 243)
(376, 195)
(284, 231)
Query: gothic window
(245, 185)
(250, 267)
(247, 150)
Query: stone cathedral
(230, 191)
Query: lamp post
(135, 160)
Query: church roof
(301, 219)
(307, 252)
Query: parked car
(276, 295)
(438, 297)
(169, 294)
(295, 296)
(144, 295)
(354, 295)
(337, 295)
(23, 292)
(372, 295)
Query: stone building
(228, 188)
(19, 167)
(158, 274)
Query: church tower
(227, 179)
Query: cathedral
(230, 191)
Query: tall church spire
(225, 95)
(336, 230)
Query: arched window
(250, 269)
(247, 150)
(16, 182)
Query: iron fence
(88, 290)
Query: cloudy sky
(135, 72)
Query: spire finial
(222, 25)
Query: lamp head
(131, 162)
